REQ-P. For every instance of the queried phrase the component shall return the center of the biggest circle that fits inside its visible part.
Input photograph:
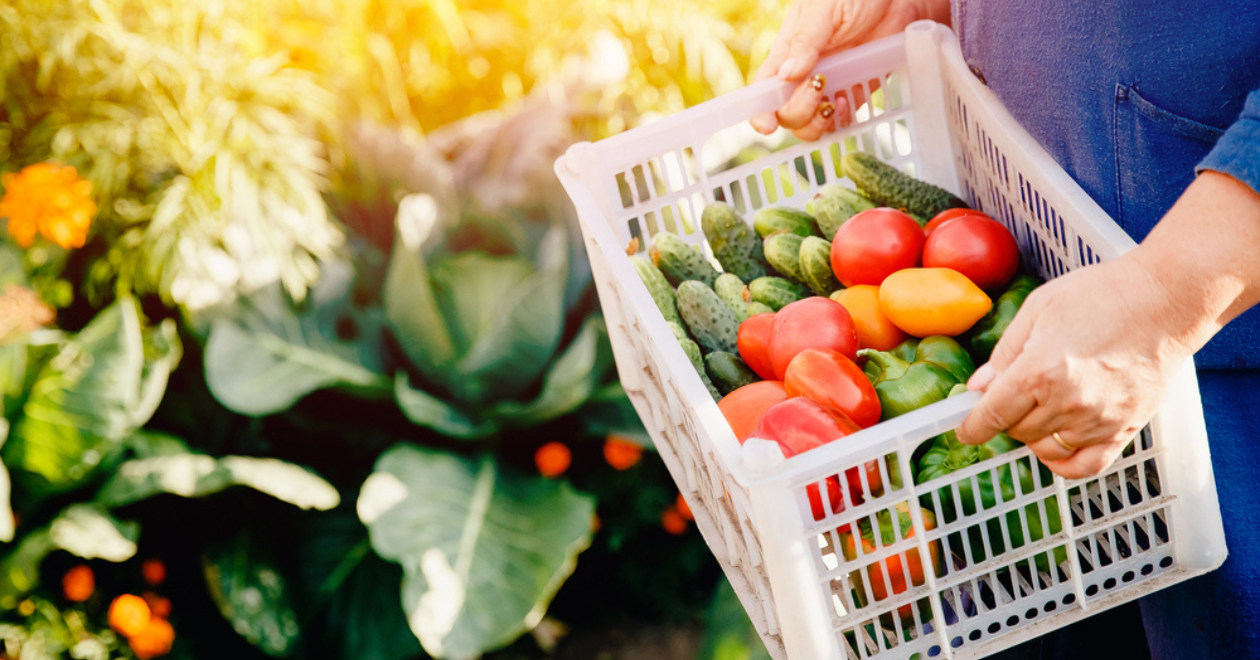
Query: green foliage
(50, 633)
(252, 593)
(483, 549)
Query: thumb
(814, 30)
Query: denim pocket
(1156, 151)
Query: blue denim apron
(1128, 97)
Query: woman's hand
(817, 28)
(1090, 353)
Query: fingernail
(788, 67)
(826, 109)
(982, 377)
(818, 82)
(763, 124)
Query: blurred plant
(48, 200)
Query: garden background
(299, 351)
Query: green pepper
(946, 454)
(937, 363)
(984, 335)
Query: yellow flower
(50, 200)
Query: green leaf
(20, 363)
(410, 307)
(19, 570)
(11, 269)
(731, 635)
(427, 410)
(263, 355)
(508, 354)
(483, 551)
(100, 387)
(251, 594)
(90, 532)
(353, 591)
(197, 475)
(573, 378)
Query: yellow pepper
(932, 301)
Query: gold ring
(1062, 443)
(818, 82)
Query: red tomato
(980, 248)
(813, 322)
(753, 340)
(828, 377)
(744, 407)
(947, 215)
(799, 425)
(875, 244)
(895, 567)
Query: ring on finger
(818, 82)
(1062, 443)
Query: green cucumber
(783, 251)
(658, 286)
(692, 351)
(816, 266)
(775, 292)
(728, 372)
(679, 261)
(755, 308)
(730, 289)
(770, 220)
(735, 245)
(710, 321)
(853, 198)
(889, 186)
(831, 213)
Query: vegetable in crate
(728, 372)
(932, 301)
(744, 407)
(710, 321)
(730, 289)
(831, 212)
(753, 341)
(662, 293)
(679, 261)
(692, 351)
(828, 377)
(890, 530)
(768, 221)
(946, 454)
(816, 266)
(984, 335)
(783, 252)
(873, 328)
(904, 385)
(814, 322)
(849, 196)
(889, 186)
(776, 292)
(735, 245)
(982, 249)
(947, 215)
(875, 244)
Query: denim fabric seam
(1122, 93)
(1180, 124)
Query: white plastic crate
(1152, 519)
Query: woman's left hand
(1087, 357)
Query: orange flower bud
(154, 571)
(621, 453)
(78, 584)
(553, 459)
(153, 640)
(129, 614)
(683, 508)
(673, 522)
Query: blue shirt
(1131, 98)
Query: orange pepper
(932, 301)
(873, 328)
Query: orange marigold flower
(154, 571)
(49, 200)
(153, 640)
(553, 459)
(673, 522)
(160, 606)
(78, 584)
(129, 614)
(683, 507)
(621, 453)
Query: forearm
(1205, 256)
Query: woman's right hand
(817, 28)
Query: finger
(1049, 449)
(823, 122)
(764, 122)
(1088, 462)
(814, 28)
(1044, 420)
(1003, 404)
(1011, 344)
(805, 104)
